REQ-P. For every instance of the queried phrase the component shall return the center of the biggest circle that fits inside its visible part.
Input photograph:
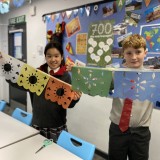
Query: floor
(9, 110)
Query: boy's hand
(77, 95)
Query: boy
(132, 142)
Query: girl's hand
(77, 95)
(69, 66)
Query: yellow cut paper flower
(32, 79)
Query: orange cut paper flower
(59, 91)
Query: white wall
(90, 117)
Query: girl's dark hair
(56, 45)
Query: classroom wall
(90, 117)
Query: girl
(49, 117)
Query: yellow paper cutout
(32, 79)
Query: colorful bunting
(32, 79)
(61, 93)
(82, 11)
(88, 10)
(75, 12)
(96, 8)
(120, 4)
(92, 81)
(68, 14)
(35, 80)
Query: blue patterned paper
(137, 85)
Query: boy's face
(134, 57)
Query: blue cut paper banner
(137, 85)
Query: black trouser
(133, 143)
(51, 133)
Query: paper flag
(32, 79)
(48, 17)
(81, 11)
(68, 14)
(69, 48)
(75, 12)
(57, 16)
(96, 8)
(63, 14)
(137, 85)
(61, 93)
(120, 4)
(92, 81)
(88, 10)
(147, 2)
(10, 67)
(53, 17)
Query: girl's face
(134, 57)
(53, 58)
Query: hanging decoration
(18, 3)
(96, 8)
(4, 6)
(147, 2)
(120, 4)
(75, 12)
(52, 17)
(91, 81)
(68, 14)
(82, 10)
(35, 81)
(88, 10)
(63, 14)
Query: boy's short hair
(135, 41)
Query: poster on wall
(81, 43)
(151, 34)
(100, 40)
(73, 27)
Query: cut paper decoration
(100, 40)
(48, 17)
(68, 14)
(96, 8)
(88, 10)
(63, 14)
(120, 4)
(147, 2)
(57, 16)
(137, 85)
(69, 48)
(75, 12)
(4, 6)
(18, 3)
(82, 11)
(61, 93)
(10, 67)
(32, 79)
(91, 81)
(53, 17)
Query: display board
(90, 118)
